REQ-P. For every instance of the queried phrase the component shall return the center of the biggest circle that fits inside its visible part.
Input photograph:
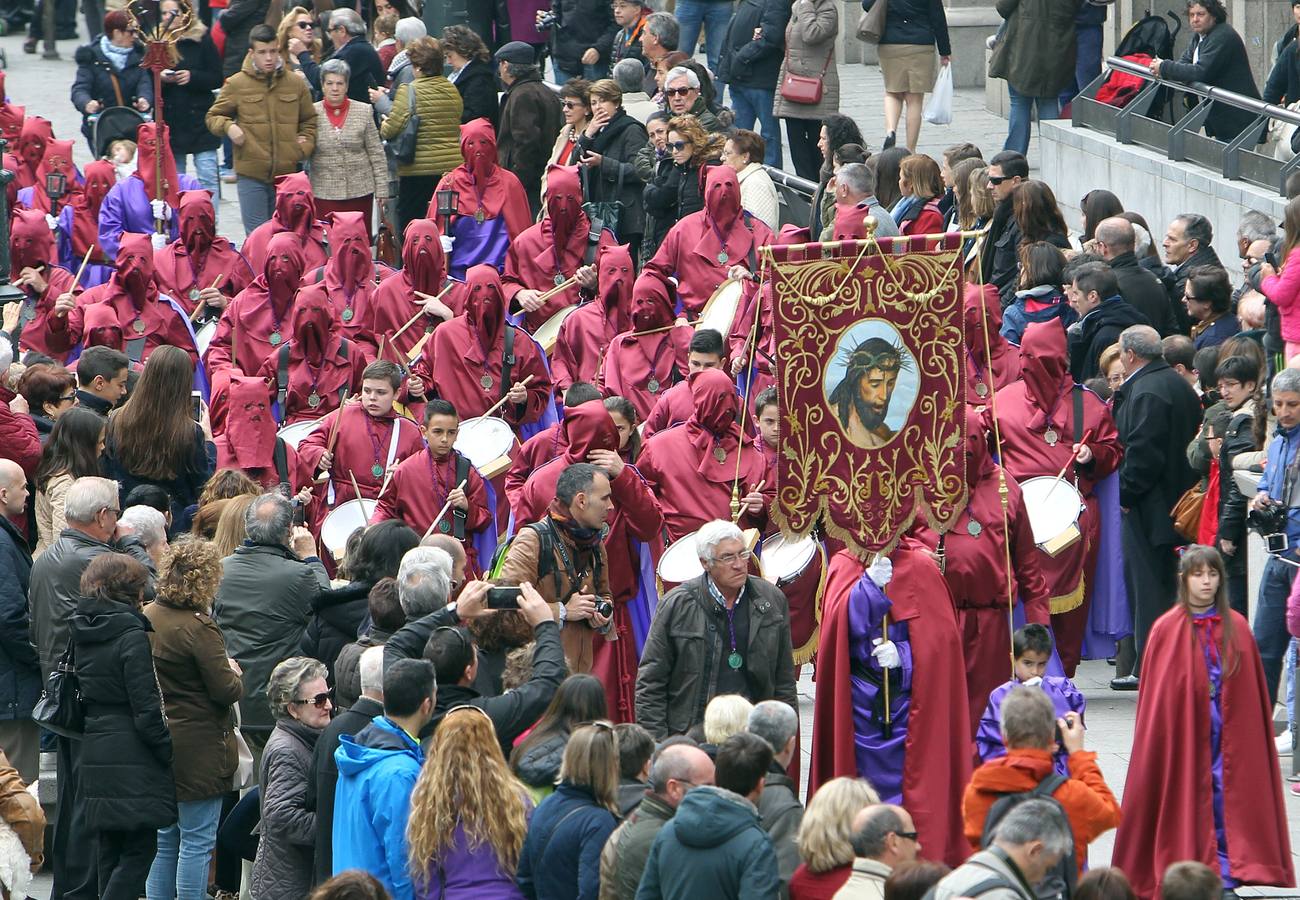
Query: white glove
(881, 571)
(447, 242)
(158, 240)
(886, 654)
(51, 221)
(160, 210)
(1032, 682)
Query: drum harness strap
(507, 361)
(1077, 390)
(280, 457)
(548, 541)
(282, 376)
(459, 516)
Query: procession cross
(160, 31)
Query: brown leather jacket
(22, 812)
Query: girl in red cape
(1203, 781)
(929, 776)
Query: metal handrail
(1207, 91)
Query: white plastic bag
(939, 110)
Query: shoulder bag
(807, 89)
(59, 708)
(405, 143)
(871, 27)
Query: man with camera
(1275, 513)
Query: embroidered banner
(870, 378)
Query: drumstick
(495, 406)
(442, 293)
(415, 318)
(655, 330)
(442, 512)
(334, 429)
(356, 489)
(85, 260)
(1061, 474)
(415, 351)
(199, 307)
(558, 289)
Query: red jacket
(18, 438)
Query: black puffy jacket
(746, 62)
(186, 105)
(126, 753)
(915, 22)
(580, 25)
(97, 80)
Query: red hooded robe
(587, 333)
(350, 278)
(31, 245)
(424, 269)
(248, 442)
(11, 116)
(99, 180)
(983, 314)
(295, 212)
(199, 256)
(35, 134)
(641, 367)
(481, 183)
(147, 164)
(318, 365)
(57, 158)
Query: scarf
(116, 55)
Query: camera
(605, 608)
(1270, 521)
(546, 20)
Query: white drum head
(549, 330)
(680, 564)
(1053, 504)
(203, 337)
(296, 433)
(720, 311)
(485, 439)
(784, 559)
(342, 521)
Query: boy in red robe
(189, 267)
(249, 442)
(675, 405)
(1041, 435)
(922, 760)
(423, 483)
(1203, 781)
(702, 247)
(586, 334)
(295, 212)
(309, 375)
(643, 363)
(350, 279)
(424, 269)
(555, 249)
(691, 468)
(467, 359)
(32, 259)
(633, 519)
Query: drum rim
(688, 541)
(810, 540)
(361, 501)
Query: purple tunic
(478, 244)
(1065, 698)
(880, 758)
(1214, 668)
(1109, 618)
(126, 208)
(468, 871)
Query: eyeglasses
(571, 104)
(115, 510)
(909, 835)
(677, 92)
(68, 398)
(679, 145)
(730, 559)
(320, 701)
(998, 179)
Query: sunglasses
(998, 179)
(305, 26)
(679, 145)
(677, 92)
(910, 835)
(571, 104)
(319, 701)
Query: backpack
(1060, 880)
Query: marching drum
(679, 564)
(1054, 507)
(547, 333)
(203, 337)
(786, 561)
(488, 442)
(295, 434)
(342, 521)
(798, 568)
(720, 311)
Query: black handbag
(404, 145)
(603, 213)
(59, 709)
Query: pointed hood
(1045, 367)
(615, 277)
(250, 427)
(135, 270)
(714, 423)
(979, 462)
(197, 220)
(478, 147)
(564, 213)
(586, 427)
(653, 302)
(424, 265)
(722, 196)
(36, 133)
(31, 243)
(154, 161)
(11, 115)
(725, 228)
(350, 264)
(99, 180)
(477, 181)
(101, 328)
(295, 204)
(981, 311)
(283, 271)
(485, 311)
(313, 326)
(57, 158)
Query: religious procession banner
(871, 374)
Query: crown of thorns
(876, 353)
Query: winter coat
(580, 25)
(347, 667)
(377, 772)
(184, 489)
(916, 22)
(469, 868)
(367, 71)
(263, 604)
(338, 614)
(672, 194)
(55, 588)
(438, 104)
(273, 111)
(539, 765)
(1283, 290)
(780, 813)
(745, 62)
(561, 855)
(96, 79)
(1175, 280)
(282, 870)
(622, 862)
(1036, 54)
(713, 849)
(531, 117)
(617, 143)
(678, 671)
(758, 195)
(1238, 438)
(125, 770)
(1220, 61)
(1016, 317)
(1000, 254)
(1096, 331)
(20, 667)
(200, 691)
(809, 44)
(325, 775)
(349, 162)
(50, 518)
(186, 105)
(1144, 291)
(477, 86)
(237, 21)
(18, 438)
(1283, 85)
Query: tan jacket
(810, 41)
(350, 162)
(521, 565)
(866, 882)
(50, 520)
(22, 812)
(439, 105)
(273, 111)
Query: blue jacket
(1281, 455)
(714, 848)
(1016, 317)
(561, 855)
(377, 772)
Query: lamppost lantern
(8, 293)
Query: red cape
(415, 498)
(938, 760)
(1168, 811)
(673, 407)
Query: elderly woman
(437, 102)
(109, 73)
(200, 686)
(400, 70)
(607, 150)
(125, 765)
(300, 702)
(743, 151)
(348, 168)
(50, 390)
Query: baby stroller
(117, 123)
(1148, 39)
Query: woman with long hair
(889, 164)
(536, 759)
(231, 531)
(152, 438)
(626, 420)
(469, 816)
(1097, 205)
(227, 483)
(72, 452)
(1203, 781)
(965, 215)
(825, 838)
(1034, 207)
(200, 686)
(921, 185)
(836, 131)
(297, 37)
(475, 78)
(1283, 287)
(674, 191)
(560, 859)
